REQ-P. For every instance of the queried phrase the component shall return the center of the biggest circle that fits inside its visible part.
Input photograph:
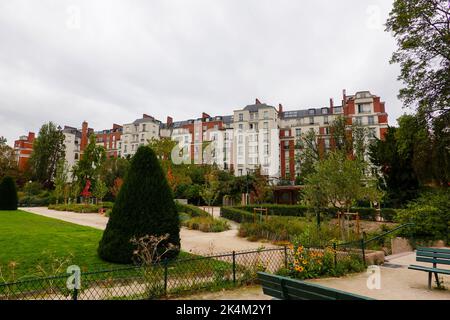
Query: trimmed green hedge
(193, 211)
(236, 214)
(389, 214)
(300, 211)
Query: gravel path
(191, 240)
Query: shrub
(193, 211)
(430, 214)
(236, 215)
(8, 194)
(388, 214)
(274, 229)
(144, 206)
(207, 224)
(76, 207)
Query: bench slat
(292, 289)
(427, 269)
(433, 254)
(437, 250)
(431, 260)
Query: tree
(144, 207)
(8, 163)
(115, 189)
(309, 154)
(62, 173)
(112, 172)
(100, 190)
(341, 134)
(48, 150)
(422, 31)
(441, 150)
(8, 194)
(210, 190)
(398, 177)
(339, 181)
(89, 166)
(262, 192)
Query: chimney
(258, 102)
(280, 108)
(344, 96)
(169, 121)
(145, 116)
(205, 115)
(31, 136)
(331, 103)
(84, 135)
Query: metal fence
(159, 280)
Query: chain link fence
(164, 279)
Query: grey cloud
(179, 58)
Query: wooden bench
(435, 256)
(291, 289)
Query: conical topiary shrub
(8, 194)
(144, 206)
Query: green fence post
(335, 254)
(75, 294)
(234, 267)
(166, 274)
(363, 248)
(285, 257)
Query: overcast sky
(110, 61)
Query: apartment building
(23, 147)
(206, 140)
(72, 142)
(137, 134)
(256, 140)
(110, 139)
(362, 108)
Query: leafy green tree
(8, 163)
(100, 190)
(308, 156)
(210, 190)
(441, 150)
(112, 172)
(143, 207)
(339, 181)
(398, 177)
(61, 179)
(261, 189)
(48, 150)
(421, 28)
(90, 164)
(8, 194)
(342, 135)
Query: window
(266, 115)
(241, 117)
(311, 120)
(311, 111)
(325, 111)
(325, 120)
(240, 151)
(144, 127)
(76, 156)
(240, 172)
(287, 133)
(371, 120)
(266, 149)
(266, 125)
(286, 145)
(327, 143)
(337, 109)
(240, 139)
(266, 137)
(364, 108)
(327, 130)
(298, 132)
(241, 126)
(358, 121)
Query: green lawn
(28, 240)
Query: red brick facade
(23, 149)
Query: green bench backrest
(291, 289)
(433, 255)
